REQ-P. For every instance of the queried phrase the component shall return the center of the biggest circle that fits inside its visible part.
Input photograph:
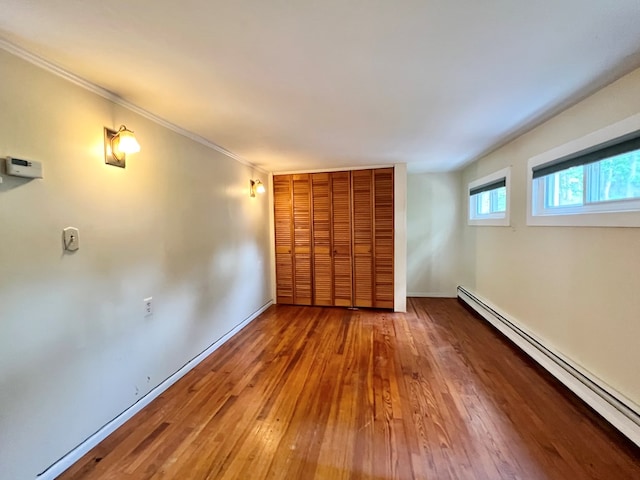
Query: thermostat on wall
(24, 168)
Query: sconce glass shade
(256, 186)
(126, 141)
(117, 144)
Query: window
(597, 185)
(488, 199)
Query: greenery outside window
(610, 180)
(594, 186)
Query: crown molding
(335, 169)
(112, 97)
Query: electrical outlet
(148, 306)
(71, 237)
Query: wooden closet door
(334, 238)
(322, 251)
(302, 277)
(341, 234)
(383, 237)
(362, 194)
(283, 215)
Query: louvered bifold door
(341, 233)
(322, 253)
(302, 275)
(362, 198)
(283, 215)
(383, 237)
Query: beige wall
(435, 215)
(574, 287)
(176, 224)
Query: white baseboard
(618, 410)
(431, 295)
(74, 455)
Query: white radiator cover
(619, 411)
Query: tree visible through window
(493, 201)
(488, 199)
(615, 178)
(564, 188)
(592, 181)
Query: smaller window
(489, 199)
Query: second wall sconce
(117, 144)
(256, 186)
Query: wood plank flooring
(328, 393)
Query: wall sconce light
(256, 186)
(117, 144)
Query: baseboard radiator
(621, 412)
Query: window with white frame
(594, 186)
(489, 199)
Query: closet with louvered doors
(372, 192)
(292, 214)
(332, 268)
(334, 238)
(383, 286)
(362, 191)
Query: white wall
(574, 287)
(400, 237)
(435, 215)
(176, 224)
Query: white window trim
(605, 214)
(492, 220)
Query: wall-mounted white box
(24, 168)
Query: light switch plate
(148, 306)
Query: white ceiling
(303, 84)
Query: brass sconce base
(119, 160)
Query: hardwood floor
(327, 393)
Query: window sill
(489, 222)
(602, 219)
